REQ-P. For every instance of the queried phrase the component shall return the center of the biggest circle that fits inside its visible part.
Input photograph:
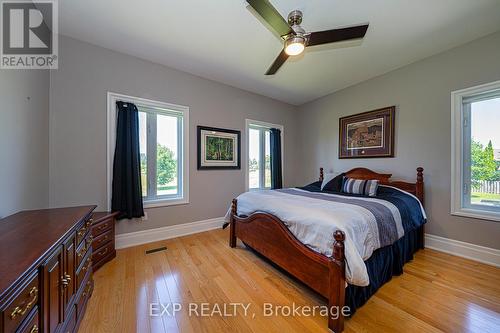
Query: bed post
(232, 226)
(321, 174)
(420, 195)
(336, 299)
(420, 184)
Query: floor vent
(164, 248)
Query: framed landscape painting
(368, 134)
(218, 148)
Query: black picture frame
(200, 150)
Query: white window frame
(458, 186)
(112, 98)
(257, 123)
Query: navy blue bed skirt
(382, 266)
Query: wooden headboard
(416, 188)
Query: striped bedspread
(312, 216)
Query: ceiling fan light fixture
(295, 38)
(295, 45)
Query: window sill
(165, 202)
(477, 214)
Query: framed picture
(218, 148)
(368, 134)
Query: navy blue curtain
(127, 191)
(276, 177)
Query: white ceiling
(222, 40)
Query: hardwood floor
(438, 292)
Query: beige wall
(24, 140)
(78, 129)
(421, 92)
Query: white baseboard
(462, 249)
(157, 234)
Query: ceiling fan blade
(271, 16)
(336, 35)
(280, 60)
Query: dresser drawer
(33, 323)
(103, 231)
(102, 239)
(101, 227)
(83, 249)
(84, 297)
(19, 308)
(83, 230)
(82, 273)
(103, 252)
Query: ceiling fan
(296, 39)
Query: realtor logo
(29, 34)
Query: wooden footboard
(268, 235)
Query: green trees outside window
(167, 165)
(483, 164)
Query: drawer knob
(65, 281)
(82, 252)
(89, 262)
(18, 310)
(87, 289)
(81, 232)
(102, 226)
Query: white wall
(78, 129)
(24, 141)
(421, 92)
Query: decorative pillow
(335, 184)
(327, 178)
(359, 186)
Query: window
(259, 154)
(159, 131)
(476, 152)
(163, 135)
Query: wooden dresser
(45, 269)
(103, 233)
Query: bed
(324, 271)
